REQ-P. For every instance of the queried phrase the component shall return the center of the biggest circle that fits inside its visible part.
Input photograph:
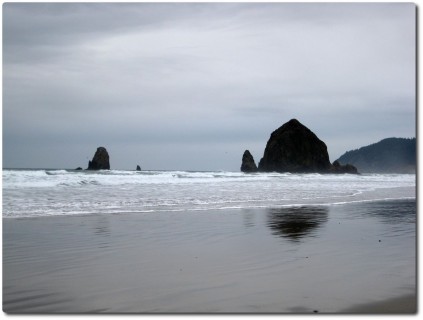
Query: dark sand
(402, 305)
(356, 258)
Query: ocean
(118, 241)
(35, 193)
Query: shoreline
(218, 209)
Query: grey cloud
(178, 74)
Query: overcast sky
(191, 86)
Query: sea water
(34, 193)
(205, 242)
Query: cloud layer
(191, 86)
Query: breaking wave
(69, 192)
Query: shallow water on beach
(285, 260)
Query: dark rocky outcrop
(295, 148)
(338, 168)
(79, 168)
(100, 160)
(138, 168)
(248, 164)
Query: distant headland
(390, 155)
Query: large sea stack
(100, 160)
(295, 148)
(248, 164)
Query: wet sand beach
(351, 258)
(400, 305)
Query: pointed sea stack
(295, 148)
(100, 160)
(138, 168)
(248, 164)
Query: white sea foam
(68, 192)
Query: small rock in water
(248, 164)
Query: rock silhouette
(338, 168)
(100, 160)
(295, 148)
(248, 164)
(138, 168)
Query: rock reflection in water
(296, 223)
(389, 212)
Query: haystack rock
(100, 160)
(295, 148)
(138, 168)
(248, 164)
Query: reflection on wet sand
(389, 213)
(296, 223)
(287, 260)
(102, 230)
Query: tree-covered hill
(391, 155)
